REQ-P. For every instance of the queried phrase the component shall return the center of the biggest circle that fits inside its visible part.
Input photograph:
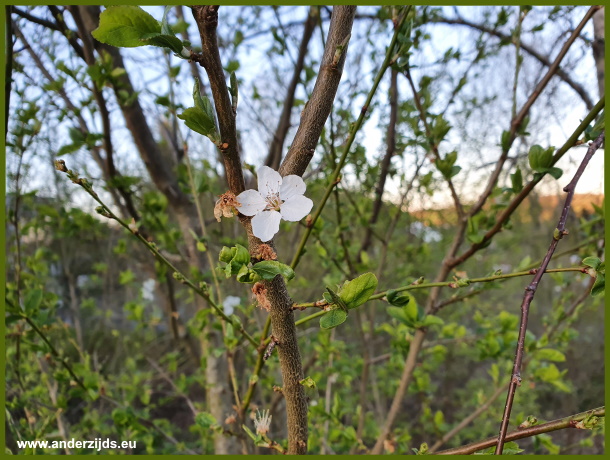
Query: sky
(254, 69)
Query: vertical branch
(319, 105)
(274, 157)
(207, 22)
(281, 314)
(530, 291)
(299, 161)
(9, 66)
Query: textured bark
(284, 331)
(599, 48)
(274, 157)
(218, 395)
(318, 107)
(207, 22)
(281, 314)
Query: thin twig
(560, 424)
(530, 291)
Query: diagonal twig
(530, 291)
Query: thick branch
(274, 157)
(88, 56)
(136, 121)
(207, 22)
(318, 107)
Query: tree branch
(207, 22)
(560, 424)
(385, 163)
(517, 121)
(320, 103)
(530, 291)
(274, 157)
(518, 199)
(577, 87)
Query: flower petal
(292, 186)
(250, 203)
(266, 224)
(269, 181)
(296, 208)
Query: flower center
(273, 202)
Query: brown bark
(318, 107)
(281, 314)
(218, 395)
(207, 22)
(274, 157)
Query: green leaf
(205, 420)
(164, 41)
(399, 299)
(202, 102)
(399, 314)
(308, 382)
(241, 254)
(226, 254)
(32, 300)
(446, 165)
(69, 148)
(472, 232)
(126, 277)
(516, 180)
(246, 275)
(165, 27)
(358, 291)
(540, 159)
(505, 140)
(125, 26)
(549, 373)
(593, 133)
(599, 286)
(198, 121)
(333, 318)
(269, 269)
(555, 172)
(592, 262)
(549, 354)
(546, 442)
(431, 320)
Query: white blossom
(230, 303)
(262, 422)
(277, 198)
